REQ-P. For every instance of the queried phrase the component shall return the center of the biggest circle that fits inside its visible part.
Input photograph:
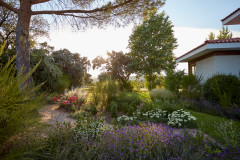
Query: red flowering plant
(69, 103)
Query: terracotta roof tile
(230, 40)
(230, 14)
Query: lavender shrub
(208, 107)
(153, 141)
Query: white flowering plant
(125, 120)
(156, 115)
(89, 128)
(181, 119)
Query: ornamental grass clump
(161, 94)
(103, 93)
(182, 119)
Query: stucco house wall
(206, 68)
(225, 64)
(228, 64)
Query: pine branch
(102, 9)
(38, 1)
(9, 7)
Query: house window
(193, 69)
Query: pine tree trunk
(22, 41)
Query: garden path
(51, 115)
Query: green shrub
(131, 109)
(147, 106)
(63, 82)
(127, 86)
(61, 143)
(168, 106)
(103, 93)
(173, 80)
(137, 84)
(17, 106)
(123, 106)
(89, 128)
(113, 109)
(191, 86)
(220, 85)
(91, 108)
(126, 99)
(229, 133)
(161, 94)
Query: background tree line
(58, 69)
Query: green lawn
(207, 122)
(144, 96)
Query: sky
(193, 20)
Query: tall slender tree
(151, 47)
(223, 34)
(79, 13)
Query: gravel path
(51, 115)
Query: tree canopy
(78, 13)
(117, 65)
(8, 22)
(72, 65)
(151, 45)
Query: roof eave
(207, 48)
(232, 19)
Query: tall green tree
(152, 44)
(47, 71)
(72, 65)
(211, 36)
(224, 33)
(103, 76)
(79, 13)
(117, 66)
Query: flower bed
(145, 141)
(179, 118)
(69, 103)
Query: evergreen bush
(220, 85)
(17, 106)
